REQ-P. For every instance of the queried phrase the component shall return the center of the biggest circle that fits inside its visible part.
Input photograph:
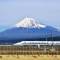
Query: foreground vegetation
(29, 57)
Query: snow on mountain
(29, 23)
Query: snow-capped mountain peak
(29, 23)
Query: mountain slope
(29, 27)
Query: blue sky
(45, 11)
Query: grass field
(29, 57)
(29, 53)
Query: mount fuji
(29, 30)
